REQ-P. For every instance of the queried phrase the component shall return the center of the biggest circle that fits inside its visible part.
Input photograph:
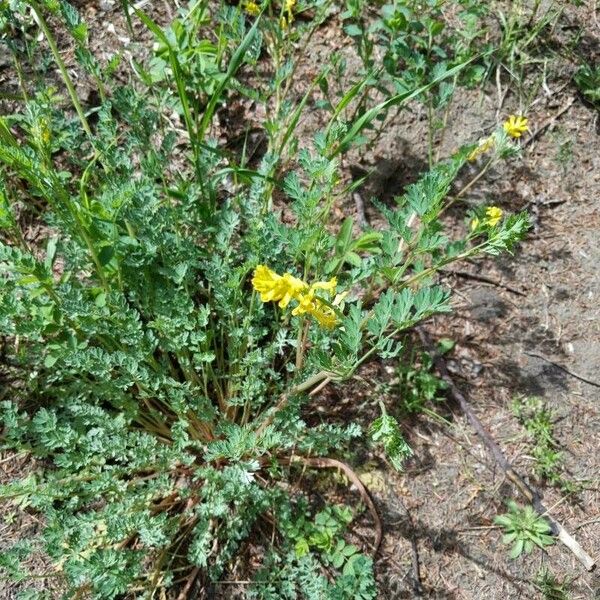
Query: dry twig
(550, 121)
(562, 368)
(361, 215)
(190, 582)
(484, 279)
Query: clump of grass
(550, 587)
(538, 421)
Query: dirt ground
(543, 311)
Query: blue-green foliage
(161, 395)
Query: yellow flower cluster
(287, 17)
(515, 126)
(493, 216)
(251, 8)
(484, 146)
(285, 288)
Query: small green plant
(538, 421)
(386, 432)
(524, 529)
(313, 541)
(550, 587)
(419, 48)
(564, 151)
(418, 385)
(587, 79)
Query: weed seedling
(524, 529)
(538, 421)
(550, 587)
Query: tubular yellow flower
(308, 304)
(276, 288)
(325, 316)
(493, 215)
(288, 17)
(474, 224)
(251, 8)
(328, 286)
(285, 288)
(294, 287)
(484, 146)
(515, 126)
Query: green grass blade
(372, 113)
(298, 111)
(234, 64)
(181, 91)
(352, 93)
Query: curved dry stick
(333, 463)
(193, 576)
(563, 368)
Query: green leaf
(517, 549)
(301, 548)
(344, 236)
(353, 30)
(106, 254)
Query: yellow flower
(251, 8)
(516, 126)
(493, 215)
(307, 303)
(276, 288)
(474, 224)
(324, 315)
(328, 286)
(285, 288)
(288, 17)
(484, 146)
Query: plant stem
(37, 14)
(20, 77)
(468, 186)
(430, 115)
(319, 377)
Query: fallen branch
(333, 463)
(530, 493)
(417, 584)
(483, 279)
(416, 568)
(567, 371)
(193, 576)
